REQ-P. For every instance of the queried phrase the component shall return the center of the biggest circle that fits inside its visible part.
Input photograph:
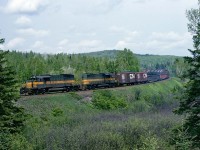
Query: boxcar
(126, 78)
(141, 77)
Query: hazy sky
(76, 26)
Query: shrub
(180, 138)
(13, 141)
(57, 112)
(137, 94)
(104, 99)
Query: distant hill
(104, 53)
(113, 53)
(146, 59)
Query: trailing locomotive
(92, 81)
(66, 82)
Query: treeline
(28, 64)
(175, 64)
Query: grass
(66, 122)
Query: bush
(57, 112)
(13, 141)
(180, 138)
(105, 99)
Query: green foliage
(75, 95)
(11, 117)
(19, 142)
(127, 61)
(180, 67)
(5, 140)
(149, 142)
(174, 64)
(190, 100)
(57, 112)
(180, 138)
(30, 63)
(105, 99)
(137, 94)
(82, 127)
(176, 68)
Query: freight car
(45, 83)
(141, 77)
(157, 75)
(92, 81)
(131, 78)
(125, 78)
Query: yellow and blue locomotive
(45, 83)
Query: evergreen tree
(190, 102)
(11, 116)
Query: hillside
(139, 117)
(113, 53)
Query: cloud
(33, 32)
(92, 7)
(118, 29)
(14, 43)
(63, 42)
(25, 6)
(130, 37)
(38, 44)
(89, 43)
(170, 40)
(23, 20)
(168, 36)
(160, 43)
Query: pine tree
(190, 102)
(11, 116)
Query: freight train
(66, 82)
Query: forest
(27, 64)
